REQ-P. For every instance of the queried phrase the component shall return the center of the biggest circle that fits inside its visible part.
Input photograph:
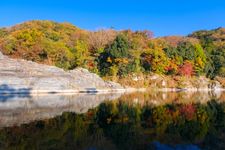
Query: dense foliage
(116, 53)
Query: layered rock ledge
(21, 76)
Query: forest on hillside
(109, 52)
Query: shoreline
(109, 91)
(190, 89)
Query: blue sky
(163, 17)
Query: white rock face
(1, 56)
(24, 76)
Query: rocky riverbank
(21, 76)
(173, 83)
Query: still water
(132, 121)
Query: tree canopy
(116, 53)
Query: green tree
(218, 57)
(186, 50)
(119, 47)
(115, 56)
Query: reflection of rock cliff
(22, 74)
(163, 98)
(18, 110)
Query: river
(115, 121)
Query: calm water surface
(134, 121)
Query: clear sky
(163, 17)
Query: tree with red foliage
(186, 69)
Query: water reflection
(20, 110)
(169, 121)
(8, 93)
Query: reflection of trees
(123, 125)
(69, 131)
(188, 123)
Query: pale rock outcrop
(1, 56)
(17, 75)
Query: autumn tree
(80, 53)
(98, 40)
(155, 60)
(193, 52)
(186, 69)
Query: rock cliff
(21, 76)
